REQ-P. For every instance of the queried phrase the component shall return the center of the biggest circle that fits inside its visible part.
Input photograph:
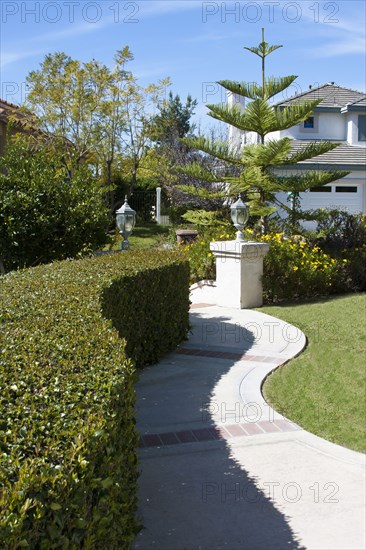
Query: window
(321, 189)
(345, 189)
(309, 122)
(361, 127)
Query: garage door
(344, 196)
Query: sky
(195, 43)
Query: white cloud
(160, 7)
(72, 30)
(338, 35)
(44, 40)
(343, 47)
(10, 58)
(145, 8)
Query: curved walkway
(220, 469)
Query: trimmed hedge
(68, 466)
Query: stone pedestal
(239, 270)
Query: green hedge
(68, 466)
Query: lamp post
(239, 216)
(126, 219)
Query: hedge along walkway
(220, 468)
(68, 464)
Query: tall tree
(255, 163)
(112, 120)
(140, 103)
(93, 113)
(173, 120)
(67, 97)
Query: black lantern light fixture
(239, 216)
(126, 219)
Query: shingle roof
(343, 155)
(20, 118)
(331, 95)
(360, 102)
(7, 103)
(26, 122)
(359, 106)
(7, 109)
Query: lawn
(323, 390)
(145, 236)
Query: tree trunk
(109, 183)
(134, 176)
(264, 219)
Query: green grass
(144, 236)
(323, 390)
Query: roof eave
(354, 108)
(321, 166)
(319, 109)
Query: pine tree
(173, 120)
(255, 163)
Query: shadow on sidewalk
(194, 496)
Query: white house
(340, 118)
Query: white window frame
(314, 129)
(359, 129)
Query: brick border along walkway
(228, 355)
(221, 432)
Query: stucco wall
(330, 126)
(352, 130)
(235, 136)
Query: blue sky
(195, 43)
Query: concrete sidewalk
(220, 469)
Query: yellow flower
(295, 268)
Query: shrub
(201, 260)
(294, 268)
(176, 213)
(68, 464)
(354, 262)
(337, 230)
(343, 235)
(47, 214)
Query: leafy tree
(255, 163)
(94, 114)
(139, 104)
(123, 128)
(67, 98)
(111, 122)
(45, 214)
